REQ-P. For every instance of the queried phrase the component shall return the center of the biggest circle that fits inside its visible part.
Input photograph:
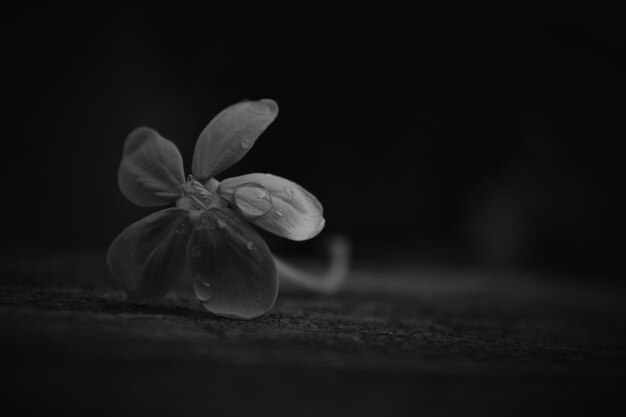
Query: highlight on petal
(232, 268)
(151, 169)
(294, 214)
(230, 135)
(149, 256)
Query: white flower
(206, 233)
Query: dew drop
(253, 200)
(289, 191)
(221, 223)
(195, 251)
(181, 227)
(249, 245)
(204, 290)
(280, 212)
(245, 144)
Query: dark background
(458, 134)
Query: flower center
(195, 196)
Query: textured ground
(397, 341)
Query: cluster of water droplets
(182, 226)
(203, 289)
(254, 200)
(202, 223)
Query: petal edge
(230, 135)
(149, 256)
(151, 169)
(233, 269)
(295, 214)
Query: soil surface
(403, 341)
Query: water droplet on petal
(280, 212)
(181, 227)
(249, 245)
(204, 290)
(245, 144)
(252, 199)
(221, 223)
(289, 191)
(195, 251)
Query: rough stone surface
(402, 342)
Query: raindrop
(221, 223)
(204, 290)
(195, 251)
(280, 212)
(289, 191)
(245, 144)
(249, 245)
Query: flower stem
(332, 280)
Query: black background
(462, 134)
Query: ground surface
(396, 341)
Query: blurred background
(464, 135)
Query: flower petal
(295, 213)
(233, 270)
(230, 135)
(149, 256)
(151, 169)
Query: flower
(207, 233)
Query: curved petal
(233, 270)
(295, 213)
(151, 169)
(230, 135)
(149, 256)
